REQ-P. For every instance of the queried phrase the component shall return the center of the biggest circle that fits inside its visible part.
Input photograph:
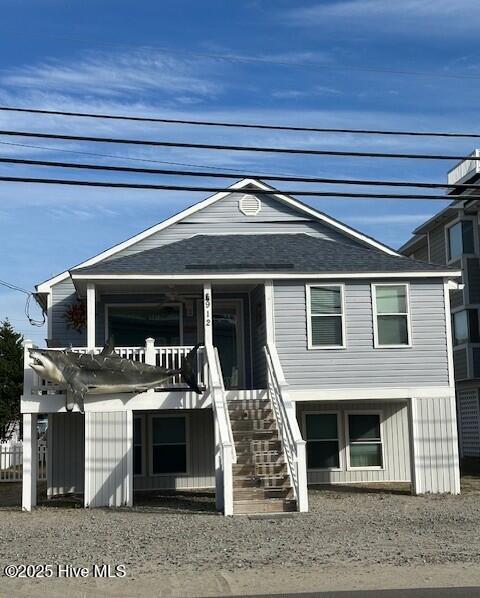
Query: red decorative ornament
(76, 316)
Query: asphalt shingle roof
(292, 253)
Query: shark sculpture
(105, 373)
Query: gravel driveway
(344, 526)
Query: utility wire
(226, 189)
(28, 299)
(211, 123)
(226, 57)
(223, 175)
(237, 148)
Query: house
(451, 238)
(327, 359)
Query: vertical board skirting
(435, 447)
(66, 458)
(107, 448)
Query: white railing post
(30, 461)
(302, 476)
(28, 373)
(150, 357)
(91, 300)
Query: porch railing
(168, 357)
(11, 462)
(294, 447)
(225, 453)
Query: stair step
(248, 414)
(280, 481)
(250, 507)
(260, 469)
(248, 404)
(252, 424)
(251, 446)
(259, 458)
(256, 493)
(252, 435)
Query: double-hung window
(325, 317)
(391, 315)
(460, 239)
(323, 441)
(364, 441)
(169, 444)
(465, 326)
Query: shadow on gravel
(175, 501)
(332, 490)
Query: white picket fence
(11, 462)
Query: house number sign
(208, 309)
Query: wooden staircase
(261, 483)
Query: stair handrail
(292, 441)
(227, 452)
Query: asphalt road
(471, 592)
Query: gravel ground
(345, 526)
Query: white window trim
(447, 244)
(340, 439)
(310, 344)
(187, 444)
(378, 412)
(178, 304)
(141, 417)
(376, 344)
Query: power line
(28, 299)
(226, 189)
(211, 123)
(238, 148)
(259, 60)
(223, 175)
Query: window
(364, 441)
(138, 445)
(323, 443)
(465, 327)
(391, 315)
(169, 444)
(325, 321)
(460, 239)
(130, 325)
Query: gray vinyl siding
(395, 440)
(435, 447)
(360, 364)
(225, 217)
(200, 458)
(438, 250)
(63, 296)
(66, 454)
(259, 336)
(107, 452)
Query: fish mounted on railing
(106, 372)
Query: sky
(331, 63)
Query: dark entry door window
(131, 325)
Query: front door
(228, 338)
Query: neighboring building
(324, 335)
(452, 238)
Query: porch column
(30, 461)
(207, 314)
(269, 316)
(91, 299)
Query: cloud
(407, 16)
(317, 90)
(110, 74)
(389, 219)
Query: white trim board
(268, 276)
(45, 286)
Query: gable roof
(251, 184)
(204, 255)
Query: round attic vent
(249, 205)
